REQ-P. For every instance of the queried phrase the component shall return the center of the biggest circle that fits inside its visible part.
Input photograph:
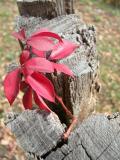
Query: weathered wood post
(38, 133)
(77, 93)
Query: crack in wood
(59, 145)
(116, 137)
(89, 156)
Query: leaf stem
(64, 107)
(74, 119)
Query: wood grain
(36, 131)
(97, 138)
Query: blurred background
(105, 16)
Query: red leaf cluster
(39, 57)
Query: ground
(106, 19)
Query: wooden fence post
(78, 93)
(38, 133)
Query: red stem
(74, 119)
(64, 107)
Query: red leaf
(63, 50)
(25, 55)
(38, 53)
(37, 64)
(46, 33)
(40, 102)
(40, 40)
(27, 98)
(42, 86)
(11, 85)
(41, 43)
(63, 68)
(19, 35)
